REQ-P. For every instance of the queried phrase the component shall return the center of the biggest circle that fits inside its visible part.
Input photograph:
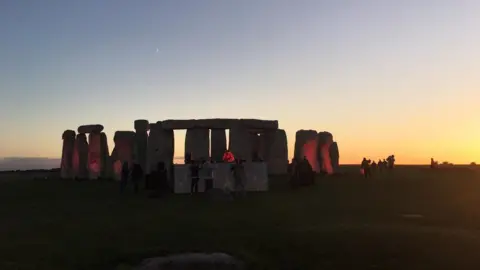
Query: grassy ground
(341, 223)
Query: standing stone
(123, 151)
(218, 144)
(141, 142)
(324, 139)
(80, 157)
(301, 138)
(240, 144)
(277, 161)
(197, 143)
(160, 147)
(335, 157)
(94, 156)
(66, 165)
(310, 152)
(105, 157)
(265, 144)
(255, 143)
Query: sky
(383, 76)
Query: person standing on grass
(207, 172)
(194, 170)
(238, 171)
(365, 167)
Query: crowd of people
(158, 180)
(368, 168)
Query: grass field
(342, 222)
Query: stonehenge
(153, 142)
(82, 159)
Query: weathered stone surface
(123, 151)
(218, 124)
(106, 169)
(309, 150)
(335, 157)
(255, 143)
(90, 129)
(218, 142)
(277, 160)
(240, 143)
(265, 141)
(324, 139)
(141, 142)
(141, 125)
(80, 157)
(94, 156)
(219, 261)
(197, 142)
(66, 165)
(160, 147)
(302, 137)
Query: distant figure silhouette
(433, 163)
(365, 166)
(374, 167)
(238, 171)
(194, 171)
(391, 162)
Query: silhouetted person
(124, 176)
(391, 162)
(137, 175)
(194, 174)
(307, 173)
(207, 172)
(161, 179)
(365, 167)
(238, 171)
(380, 165)
(373, 167)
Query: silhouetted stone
(141, 142)
(324, 139)
(197, 143)
(240, 143)
(277, 160)
(106, 169)
(218, 144)
(94, 156)
(335, 157)
(219, 124)
(123, 151)
(66, 165)
(80, 157)
(160, 147)
(301, 138)
(90, 128)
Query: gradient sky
(383, 76)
